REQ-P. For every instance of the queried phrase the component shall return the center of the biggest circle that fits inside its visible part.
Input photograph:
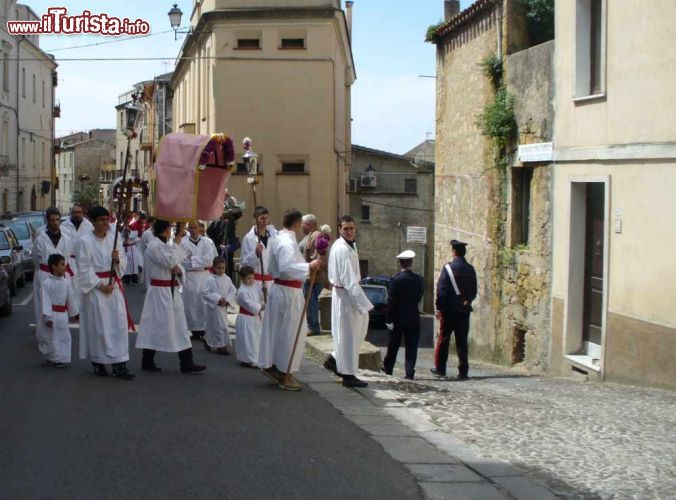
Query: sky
(392, 106)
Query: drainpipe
(18, 128)
(499, 30)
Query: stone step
(319, 347)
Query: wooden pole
(258, 236)
(300, 325)
(123, 188)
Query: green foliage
(430, 36)
(540, 18)
(86, 194)
(493, 69)
(498, 120)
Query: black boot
(197, 334)
(100, 370)
(148, 361)
(352, 381)
(330, 364)
(121, 371)
(187, 363)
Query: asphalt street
(227, 433)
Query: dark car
(5, 294)
(377, 294)
(380, 280)
(25, 233)
(11, 257)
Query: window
(293, 167)
(121, 159)
(411, 186)
(34, 89)
(35, 154)
(521, 189)
(248, 43)
(23, 152)
(5, 71)
(43, 93)
(23, 82)
(590, 48)
(293, 43)
(365, 212)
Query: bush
(430, 36)
(498, 121)
(492, 68)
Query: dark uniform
(405, 293)
(455, 310)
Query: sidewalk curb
(444, 466)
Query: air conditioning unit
(367, 181)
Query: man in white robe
(285, 306)
(253, 252)
(50, 241)
(104, 318)
(197, 271)
(75, 226)
(349, 306)
(163, 326)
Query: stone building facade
(281, 73)
(487, 194)
(389, 193)
(27, 114)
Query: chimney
(451, 8)
(348, 14)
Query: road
(228, 433)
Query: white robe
(196, 268)
(250, 258)
(217, 288)
(146, 238)
(285, 305)
(104, 330)
(349, 306)
(163, 326)
(75, 234)
(42, 249)
(56, 345)
(248, 328)
(132, 250)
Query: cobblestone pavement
(584, 439)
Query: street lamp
(175, 15)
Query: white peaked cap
(406, 254)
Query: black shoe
(352, 381)
(463, 377)
(407, 377)
(330, 364)
(193, 368)
(121, 371)
(438, 373)
(150, 367)
(100, 370)
(246, 365)
(385, 371)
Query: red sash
(45, 268)
(289, 283)
(59, 309)
(107, 275)
(263, 277)
(163, 283)
(245, 312)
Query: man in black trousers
(456, 289)
(403, 317)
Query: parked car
(25, 233)
(11, 257)
(380, 280)
(36, 219)
(377, 294)
(5, 294)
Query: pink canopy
(184, 189)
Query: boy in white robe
(285, 306)
(249, 323)
(349, 306)
(58, 306)
(132, 250)
(197, 271)
(218, 292)
(50, 241)
(163, 326)
(75, 226)
(104, 318)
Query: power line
(108, 41)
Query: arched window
(34, 200)
(5, 201)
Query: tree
(87, 194)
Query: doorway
(592, 315)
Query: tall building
(280, 73)
(613, 286)
(27, 114)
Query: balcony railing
(384, 184)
